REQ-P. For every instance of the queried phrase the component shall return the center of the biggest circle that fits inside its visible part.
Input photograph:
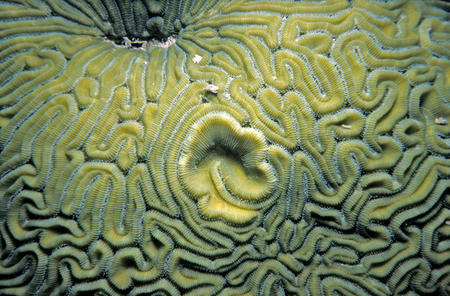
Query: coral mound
(224, 147)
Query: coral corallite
(213, 147)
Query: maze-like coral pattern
(271, 148)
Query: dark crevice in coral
(143, 20)
(125, 41)
(136, 20)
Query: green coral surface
(220, 147)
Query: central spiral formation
(223, 165)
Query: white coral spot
(441, 121)
(169, 42)
(197, 58)
(212, 88)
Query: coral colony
(212, 147)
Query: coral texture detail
(240, 147)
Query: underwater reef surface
(224, 147)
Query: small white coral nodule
(212, 88)
(197, 58)
(441, 121)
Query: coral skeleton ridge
(242, 147)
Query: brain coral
(224, 147)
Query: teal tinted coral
(224, 147)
